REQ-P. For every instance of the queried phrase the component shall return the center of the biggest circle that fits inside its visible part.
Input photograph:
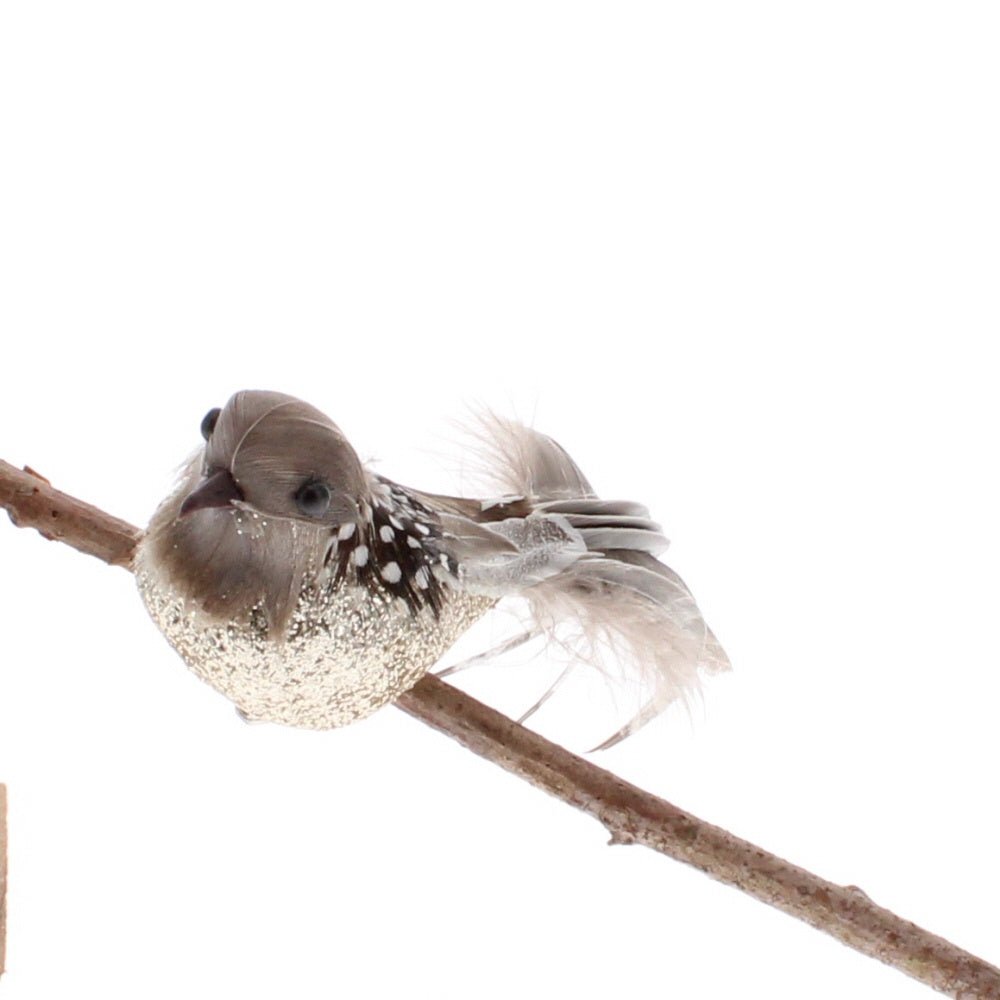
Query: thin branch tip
(32, 502)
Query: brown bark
(631, 815)
(32, 503)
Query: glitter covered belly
(345, 653)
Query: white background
(740, 259)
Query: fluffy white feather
(514, 460)
(609, 601)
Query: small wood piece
(3, 877)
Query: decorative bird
(311, 591)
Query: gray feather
(518, 461)
(595, 507)
(534, 548)
(609, 599)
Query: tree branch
(32, 503)
(631, 815)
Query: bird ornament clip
(311, 591)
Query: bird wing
(587, 567)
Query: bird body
(311, 591)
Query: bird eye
(313, 498)
(209, 421)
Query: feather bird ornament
(311, 591)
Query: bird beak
(217, 490)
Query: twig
(32, 503)
(631, 815)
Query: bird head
(278, 456)
(256, 508)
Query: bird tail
(608, 598)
